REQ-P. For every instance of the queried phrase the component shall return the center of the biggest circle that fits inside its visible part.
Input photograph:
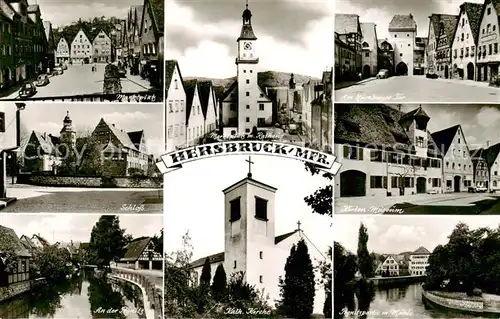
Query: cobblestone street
(79, 79)
(400, 89)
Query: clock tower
(248, 89)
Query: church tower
(68, 134)
(249, 221)
(248, 89)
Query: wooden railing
(154, 294)
(153, 96)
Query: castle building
(403, 31)
(251, 245)
(81, 48)
(245, 106)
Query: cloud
(48, 127)
(127, 117)
(156, 146)
(488, 116)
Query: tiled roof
(9, 242)
(247, 33)
(47, 143)
(400, 21)
(280, 238)
(444, 138)
(29, 242)
(491, 154)
(230, 90)
(381, 41)
(135, 248)
(158, 8)
(47, 26)
(121, 135)
(42, 240)
(204, 90)
(170, 66)
(346, 23)
(136, 137)
(421, 251)
(369, 33)
(434, 21)
(449, 23)
(190, 87)
(473, 11)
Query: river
(83, 296)
(404, 301)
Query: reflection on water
(405, 301)
(83, 296)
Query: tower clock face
(247, 46)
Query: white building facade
(488, 57)
(194, 116)
(403, 31)
(62, 51)
(81, 49)
(101, 47)
(175, 103)
(419, 261)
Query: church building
(251, 244)
(245, 105)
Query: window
(176, 84)
(495, 173)
(495, 48)
(169, 132)
(248, 107)
(261, 255)
(261, 107)
(248, 93)
(260, 208)
(234, 264)
(260, 279)
(377, 156)
(353, 153)
(378, 181)
(247, 119)
(247, 130)
(420, 141)
(401, 54)
(235, 209)
(490, 49)
(261, 121)
(367, 54)
(248, 81)
(489, 11)
(488, 28)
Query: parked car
(27, 90)
(383, 74)
(477, 189)
(42, 80)
(432, 191)
(431, 76)
(64, 66)
(58, 71)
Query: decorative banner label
(174, 160)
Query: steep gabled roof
(421, 251)
(204, 91)
(135, 248)
(491, 154)
(405, 22)
(448, 24)
(369, 33)
(444, 138)
(282, 237)
(346, 23)
(9, 242)
(121, 135)
(28, 242)
(42, 240)
(158, 9)
(170, 66)
(496, 6)
(230, 90)
(136, 137)
(473, 11)
(215, 258)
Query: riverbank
(400, 280)
(486, 305)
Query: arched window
(365, 45)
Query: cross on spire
(249, 160)
(298, 225)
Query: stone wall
(14, 290)
(467, 304)
(104, 182)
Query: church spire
(246, 28)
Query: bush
(477, 292)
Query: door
(366, 71)
(446, 72)
(401, 69)
(352, 183)
(456, 186)
(421, 185)
(470, 71)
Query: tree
(51, 263)
(345, 268)
(321, 200)
(244, 298)
(365, 262)
(297, 288)
(89, 161)
(204, 287)
(158, 242)
(107, 240)
(325, 269)
(219, 284)
(206, 275)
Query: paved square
(418, 89)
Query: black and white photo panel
(417, 52)
(81, 266)
(83, 51)
(81, 158)
(257, 225)
(416, 267)
(417, 159)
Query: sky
(77, 227)
(397, 234)
(479, 121)
(63, 12)
(48, 117)
(194, 200)
(381, 11)
(293, 35)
